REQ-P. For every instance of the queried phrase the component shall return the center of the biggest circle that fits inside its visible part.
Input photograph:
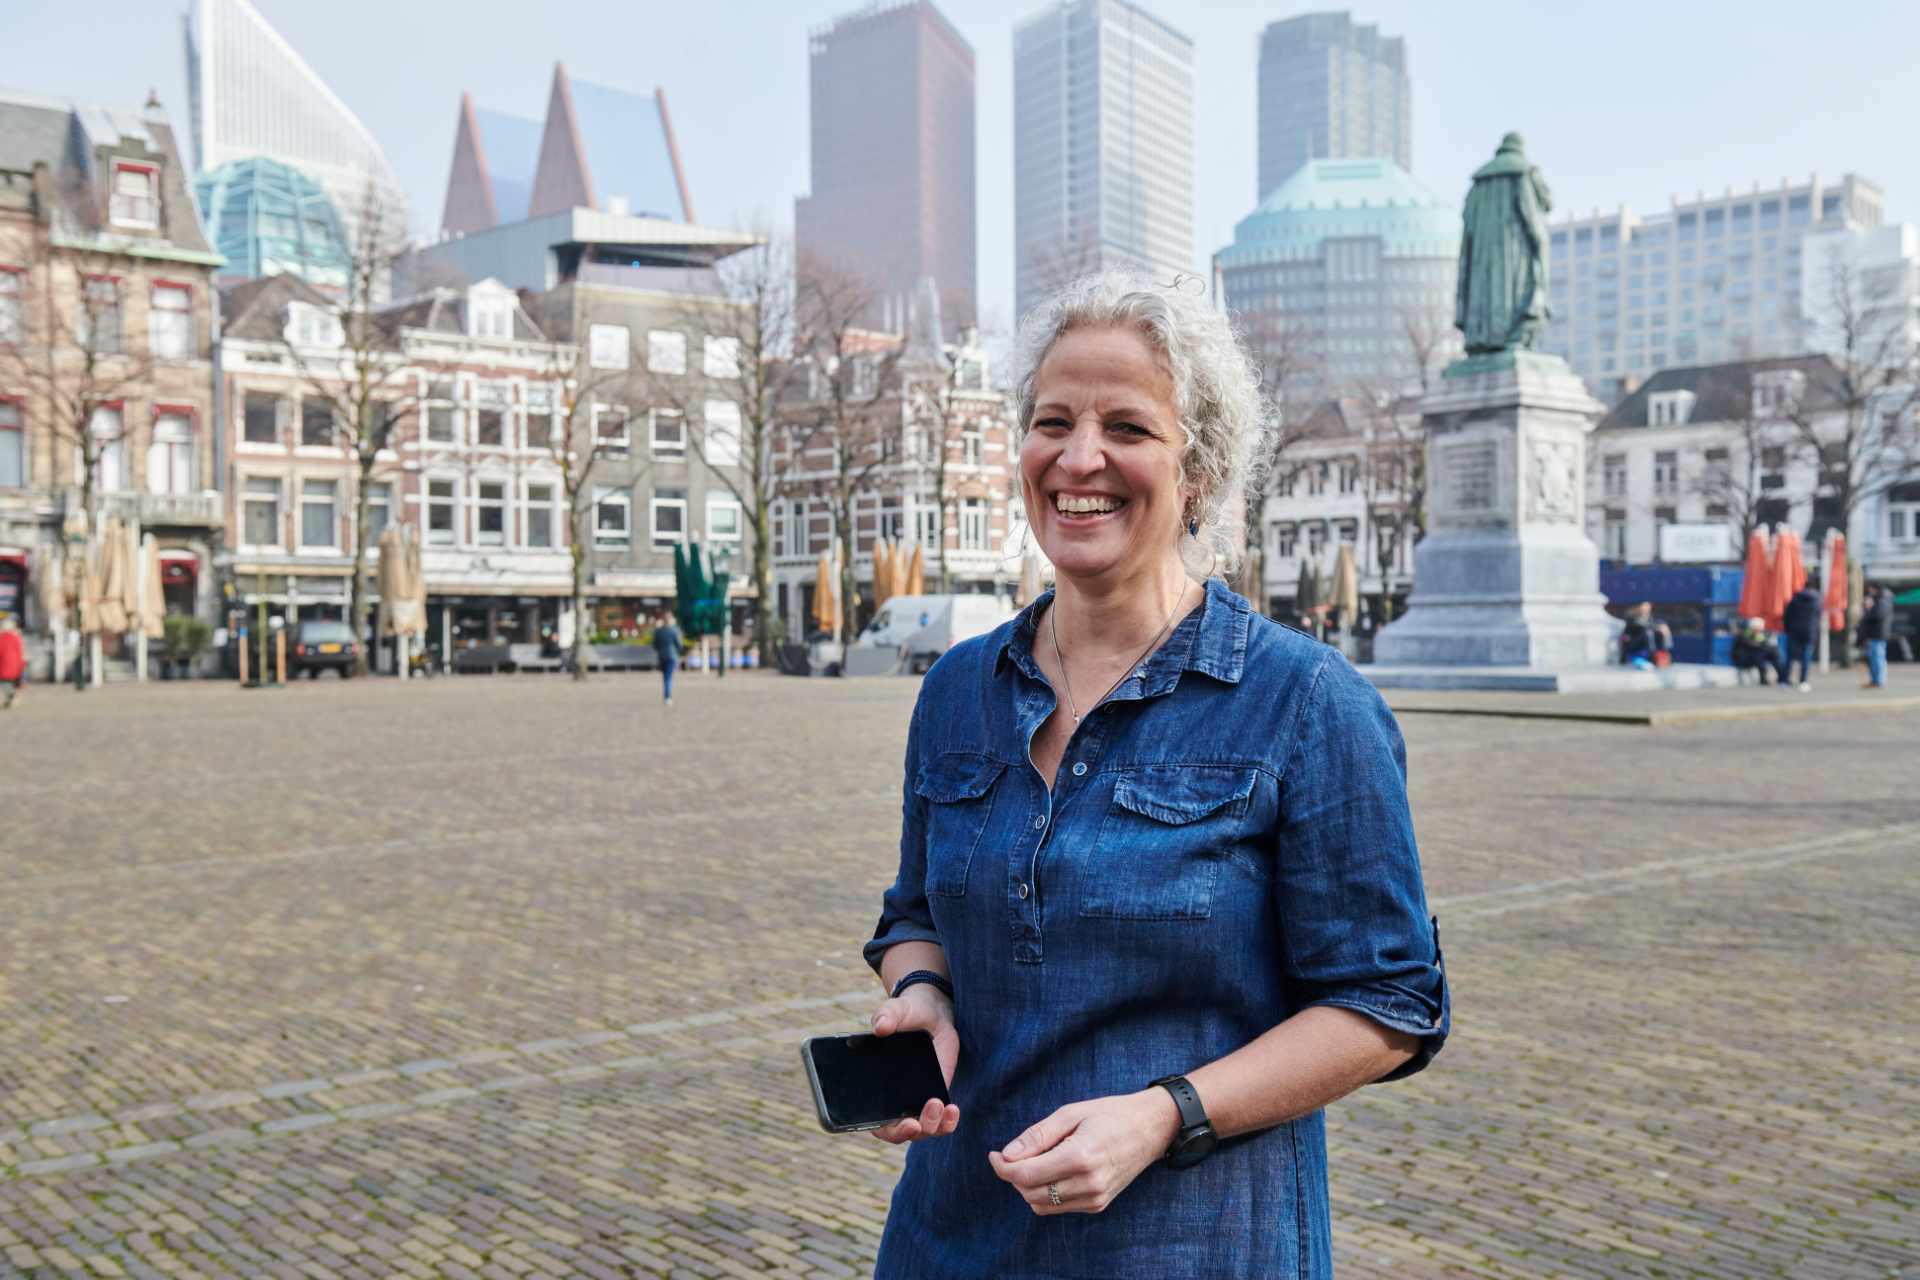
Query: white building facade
(1103, 145)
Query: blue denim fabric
(1877, 661)
(1227, 843)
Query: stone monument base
(1580, 679)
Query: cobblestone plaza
(504, 978)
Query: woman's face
(1100, 467)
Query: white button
(1080, 769)
(1039, 821)
(1023, 891)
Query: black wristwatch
(1196, 1139)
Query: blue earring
(1193, 528)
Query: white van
(928, 626)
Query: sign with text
(1696, 543)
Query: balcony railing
(201, 509)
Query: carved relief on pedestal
(1553, 481)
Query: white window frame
(131, 209)
(722, 502)
(720, 357)
(170, 328)
(656, 418)
(449, 536)
(544, 505)
(13, 443)
(666, 351)
(114, 343)
(249, 496)
(1673, 408)
(926, 528)
(483, 504)
(609, 346)
(655, 505)
(170, 453)
(976, 524)
(379, 510)
(13, 305)
(721, 442)
(108, 427)
(617, 446)
(332, 502)
(606, 496)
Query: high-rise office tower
(252, 95)
(1103, 166)
(893, 181)
(1331, 90)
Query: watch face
(1195, 1147)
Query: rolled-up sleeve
(1354, 922)
(904, 915)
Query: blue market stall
(1699, 603)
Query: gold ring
(1053, 1192)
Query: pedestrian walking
(13, 660)
(1805, 614)
(1137, 1083)
(1876, 628)
(666, 643)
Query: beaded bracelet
(927, 976)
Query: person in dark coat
(1644, 635)
(1876, 628)
(1751, 652)
(1801, 625)
(666, 643)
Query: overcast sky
(1631, 101)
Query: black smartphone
(864, 1081)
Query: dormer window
(134, 202)
(309, 326)
(1778, 391)
(489, 319)
(1669, 408)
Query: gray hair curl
(1216, 389)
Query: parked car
(928, 626)
(320, 646)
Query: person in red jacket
(13, 659)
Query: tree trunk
(363, 505)
(763, 583)
(578, 521)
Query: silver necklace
(1066, 684)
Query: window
(539, 418)
(1316, 537)
(1614, 470)
(972, 376)
(109, 449)
(972, 446)
(170, 455)
(132, 203)
(722, 445)
(1669, 408)
(261, 512)
(667, 434)
(1778, 391)
(317, 526)
(608, 346)
(262, 414)
(13, 453)
(379, 509)
(610, 432)
(720, 357)
(1283, 539)
(926, 528)
(1616, 534)
(99, 329)
(1666, 473)
(308, 326)
(539, 515)
(492, 320)
(13, 306)
(723, 519)
(892, 519)
(440, 511)
(170, 323)
(610, 524)
(440, 412)
(973, 524)
(1665, 515)
(669, 518)
(1349, 475)
(316, 422)
(490, 514)
(487, 427)
(666, 351)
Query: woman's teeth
(1083, 506)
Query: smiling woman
(1147, 833)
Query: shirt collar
(1211, 640)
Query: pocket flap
(957, 776)
(1180, 795)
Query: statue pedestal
(1506, 576)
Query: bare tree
(363, 379)
(1392, 479)
(1735, 473)
(1055, 262)
(1867, 381)
(1291, 376)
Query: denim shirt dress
(1227, 843)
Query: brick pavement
(503, 978)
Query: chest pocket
(959, 789)
(1162, 842)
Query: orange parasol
(1835, 598)
(916, 582)
(882, 573)
(1756, 585)
(1789, 575)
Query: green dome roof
(268, 217)
(1345, 198)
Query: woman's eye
(1053, 424)
(1129, 429)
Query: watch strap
(1185, 1098)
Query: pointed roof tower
(470, 204)
(609, 150)
(561, 181)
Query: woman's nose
(1084, 453)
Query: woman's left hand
(1089, 1151)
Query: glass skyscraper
(1331, 90)
(1103, 167)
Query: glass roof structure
(267, 218)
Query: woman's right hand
(922, 1007)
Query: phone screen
(871, 1080)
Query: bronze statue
(1502, 299)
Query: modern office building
(1103, 145)
(1353, 261)
(1331, 90)
(251, 95)
(1711, 279)
(893, 157)
(267, 218)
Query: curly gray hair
(1216, 389)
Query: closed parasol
(109, 589)
(1834, 597)
(1030, 588)
(153, 602)
(882, 573)
(1306, 596)
(1343, 593)
(1756, 584)
(825, 607)
(50, 577)
(916, 583)
(1789, 575)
